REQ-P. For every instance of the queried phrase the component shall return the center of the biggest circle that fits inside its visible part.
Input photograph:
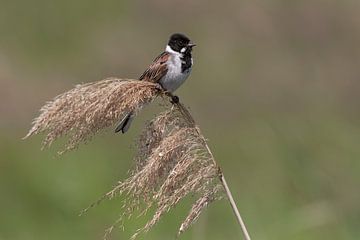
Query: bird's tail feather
(125, 123)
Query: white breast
(174, 78)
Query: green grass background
(275, 88)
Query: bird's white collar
(170, 50)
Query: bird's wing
(157, 69)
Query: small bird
(170, 69)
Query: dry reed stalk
(173, 159)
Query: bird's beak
(191, 45)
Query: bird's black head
(180, 43)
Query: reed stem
(185, 112)
(235, 209)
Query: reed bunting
(170, 69)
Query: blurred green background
(275, 89)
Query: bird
(170, 70)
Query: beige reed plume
(173, 159)
(88, 108)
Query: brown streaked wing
(157, 69)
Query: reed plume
(173, 159)
(172, 162)
(88, 108)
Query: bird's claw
(174, 99)
(158, 87)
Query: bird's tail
(125, 123)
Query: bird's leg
(174, 98)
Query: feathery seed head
(88, 108)
(172, 161)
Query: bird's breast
(175, 75)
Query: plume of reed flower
(88, 108)
(173, 158)
(172, 162)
